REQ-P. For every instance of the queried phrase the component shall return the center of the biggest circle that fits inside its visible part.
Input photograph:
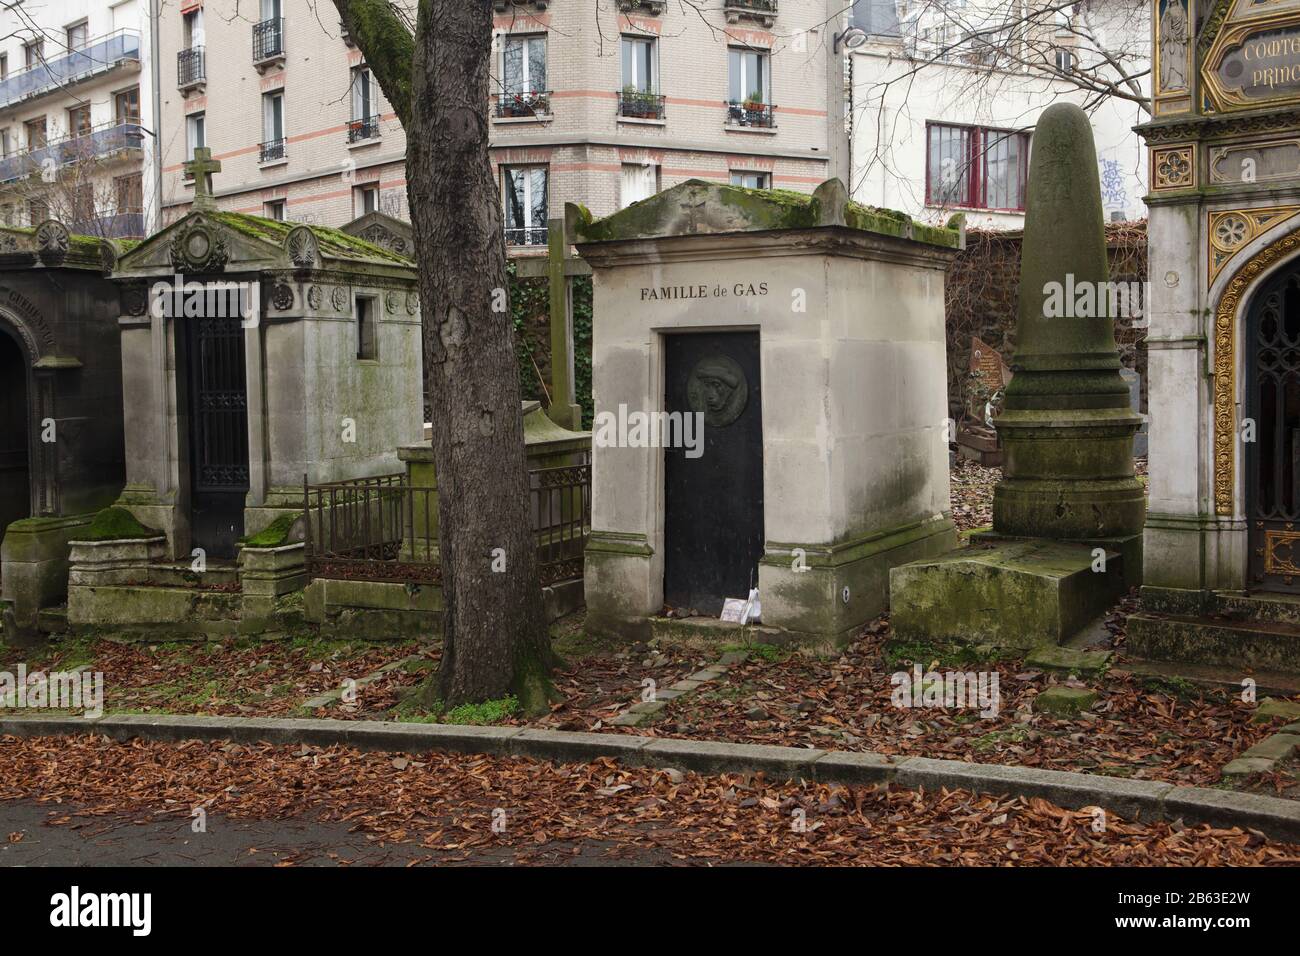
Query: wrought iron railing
(750, 113)
(641, 105)
(271, 150)
(98, 56)
(189, 67)
(526, 236)
(363, 129)
(386, 529)
(268, 39)
(527, 103)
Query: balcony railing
(750, 113)
(360, 130)
(526, 236)
(97, 57)
(101, 144)
(524, 104)
(189, 67)
(271, 150)
(126, 224)
(764, 11)
(268, 40)
(640, 105)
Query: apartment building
(602, 102)
(76, 112)
(946, 93)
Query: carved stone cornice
(1221, 124)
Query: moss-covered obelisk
(1067, 516)
(1066, 425)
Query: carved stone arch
(39, 389)
(1229, 308)
(17, 312)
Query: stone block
(1068, 660)
(1023, 593)
(1271, 707)
(1065, 701)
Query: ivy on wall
(530, 313)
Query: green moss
(116, 524)
(273, 535)
(759, 209)
(333, 242)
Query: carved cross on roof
(201, 167)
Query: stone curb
(1133, 799)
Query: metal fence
(385, 529)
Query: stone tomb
(60, 405)
(225, 415)
(807, 334)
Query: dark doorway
(713, 508)
(15, 464)
(218, 432)
(1273, 458)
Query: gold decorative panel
(1173, 167)
(1276, 563)
(1225, 365)
(1232, 229)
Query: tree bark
(495, 641)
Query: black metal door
(713, 510)
(218, 403)
(1273, 458)
(15, 473)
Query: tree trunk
(495, 641)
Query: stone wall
(982, 294)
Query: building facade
(602, 102)
(76, 108)
(945, 97)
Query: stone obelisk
(1068, 513)
(1066, 425)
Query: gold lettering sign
(1255, 64)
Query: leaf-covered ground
(447, 805)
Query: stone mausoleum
(1222, 573)
(60, 405)
(225, 413)
(807, 335)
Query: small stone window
(367, 311)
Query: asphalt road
(26, 839)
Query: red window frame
(976, 167)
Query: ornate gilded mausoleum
(1222, 539)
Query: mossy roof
(333, 242)
(78, 244)
(742, 209)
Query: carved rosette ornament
(315, 298)
(1233, 229)
(1225, 364)
(8, 242)
(302, 247)
(391, 302)
(282, 297)
(135, 299)
(339, 298)
(412, 303)
(52, 241)
(198, 249)
(1173, 168)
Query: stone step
(179, 575)
(1251, 644)
(1267, 608)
